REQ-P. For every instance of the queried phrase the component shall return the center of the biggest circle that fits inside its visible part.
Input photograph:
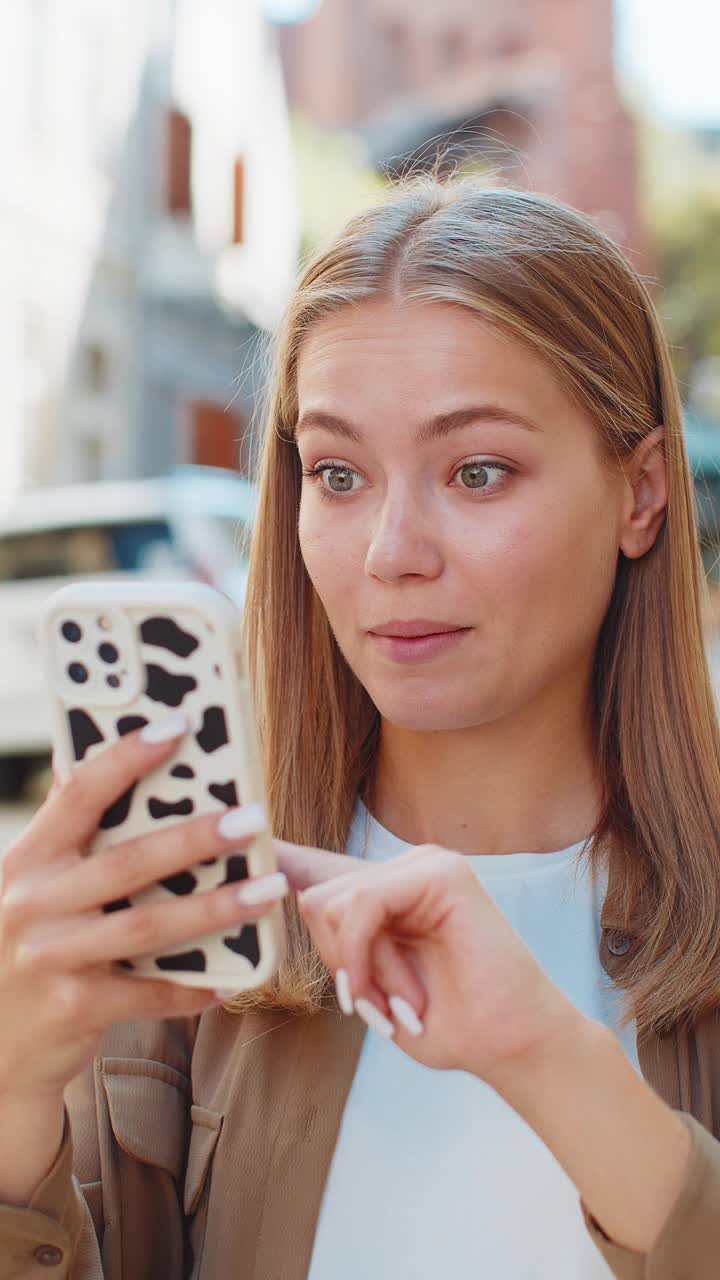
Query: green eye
(474, 476)
(343, 478)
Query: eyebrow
(431, 429)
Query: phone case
(118, 654)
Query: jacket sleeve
(54, 1234)
(689, 1243)
(110, 1208)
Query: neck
(527, 782)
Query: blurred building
(148, 233)
(526, 85)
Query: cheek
(538, 571)
(563, 563)
(331, 561)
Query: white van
(190, 523)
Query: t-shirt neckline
(383, 844)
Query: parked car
(189, 523)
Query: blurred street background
(166, 166)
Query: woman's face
(502, 523)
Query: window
(84, 549)
(397, 55)
(216, 435)
(239, 203)
(452, 48)
(179, 149)
(97, 367)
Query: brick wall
(367, 63)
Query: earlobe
(646, 482)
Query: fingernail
(263, 889)
(344, 995)
(246, 820)
(164, 729)
(406, 1015)
(374, 1018)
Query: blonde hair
(546, 275)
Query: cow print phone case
(119, 654)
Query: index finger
(73, 809)
(305, 866)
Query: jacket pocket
(143, 1144)
(206, 1126)
(149, 1122)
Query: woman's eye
(478, 475)
(334, 478)
(339, 479)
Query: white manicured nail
(163, 730)
(263, 889)
(374, 1018)
(344, 995)
(246, 820)
(406, 1015)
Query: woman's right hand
(59, 991)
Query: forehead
(413, 352)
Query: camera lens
(71, 631)
(113, 681)
(78, 672)
(108, 652)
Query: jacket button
(619, 943)
(48, 1255)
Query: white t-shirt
(433, 1173)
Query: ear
(645, 500)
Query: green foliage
(334, 179)
(683, 205)
(690, 271)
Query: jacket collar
(329, 1048)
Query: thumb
(57, 781)
(305, 866)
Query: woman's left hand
(424, 946)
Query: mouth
(418, 648)
(415, 628)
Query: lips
(423, 647)
(416, 627)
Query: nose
(403, 541)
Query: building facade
(528, 87)
(149, 233)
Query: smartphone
(118, 654)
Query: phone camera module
(108, 652)
(77, 672)
(71, 631)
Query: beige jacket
(201, 1148)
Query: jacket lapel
(328, 1051)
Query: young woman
(474, 626)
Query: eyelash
(315, 474)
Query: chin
(431, 713)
